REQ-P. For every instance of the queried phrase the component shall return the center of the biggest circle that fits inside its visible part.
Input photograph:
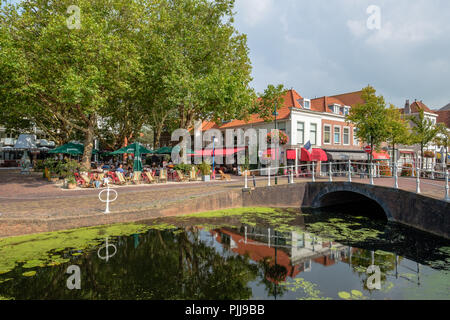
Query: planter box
(71, 186)
(206, 178)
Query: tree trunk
(158, 136)
(88, 145)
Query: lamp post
(213, 154)
(275, 113)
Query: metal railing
(371, 170)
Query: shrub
(205, 168)
(385, 170)
(185, 168)
(428, 154)
(407, 170)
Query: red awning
(380, 156)
(291, 154)
(217, 152)
(315, 155)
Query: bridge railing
(347, 169)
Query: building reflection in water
(287, 254)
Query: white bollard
(418, 181)
(349, 171)
(371, 174)
(313, 173)
(330, 173)
(108, 190)
(395, 176)
(447, 197)
(246, 179)
(268, 178)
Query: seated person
(120, 169)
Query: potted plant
(428, 154)
(205, 169)
(277, 137)
(71, 182)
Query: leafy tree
(196, 64)
(370, 119)
(65, 78)
(423, 132)
(397, 129)
(442, 139)
(271, 97)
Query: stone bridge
(415, 210)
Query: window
(282, 126)
(300, 132)
(337, 135)
(313, 134)
(327, 134)
(355, 138)
(346, 137)
(335, 108)
(346, 111)
(307, 104)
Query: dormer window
(335, 108)
(307, 104)
(346, 111)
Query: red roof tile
(346, 99)
(444, 117)
(291, 100)
(419, 105)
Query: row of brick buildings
(322, 122)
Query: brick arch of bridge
(322, 199)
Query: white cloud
(324, 47)
(254, 11)
(357, 27)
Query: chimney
(407, 107)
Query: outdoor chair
(149, 177)
(113, 177)
(88, 182)
(79, 180)
(181, 177)
(136, 177)
(121, 178)
(163, 175)
(224, 176)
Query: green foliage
(423, 132)
(397, 128)
(370, 118)
(185, 168)
(205, 168)
(272, 95)
(71, 179)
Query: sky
(328, 47)
(325, 47)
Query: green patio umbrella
(71, 148)
(137, 149)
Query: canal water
(251, 253)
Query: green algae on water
(29, 274)
(39, 250)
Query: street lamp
(213, 155)
(275, 113)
